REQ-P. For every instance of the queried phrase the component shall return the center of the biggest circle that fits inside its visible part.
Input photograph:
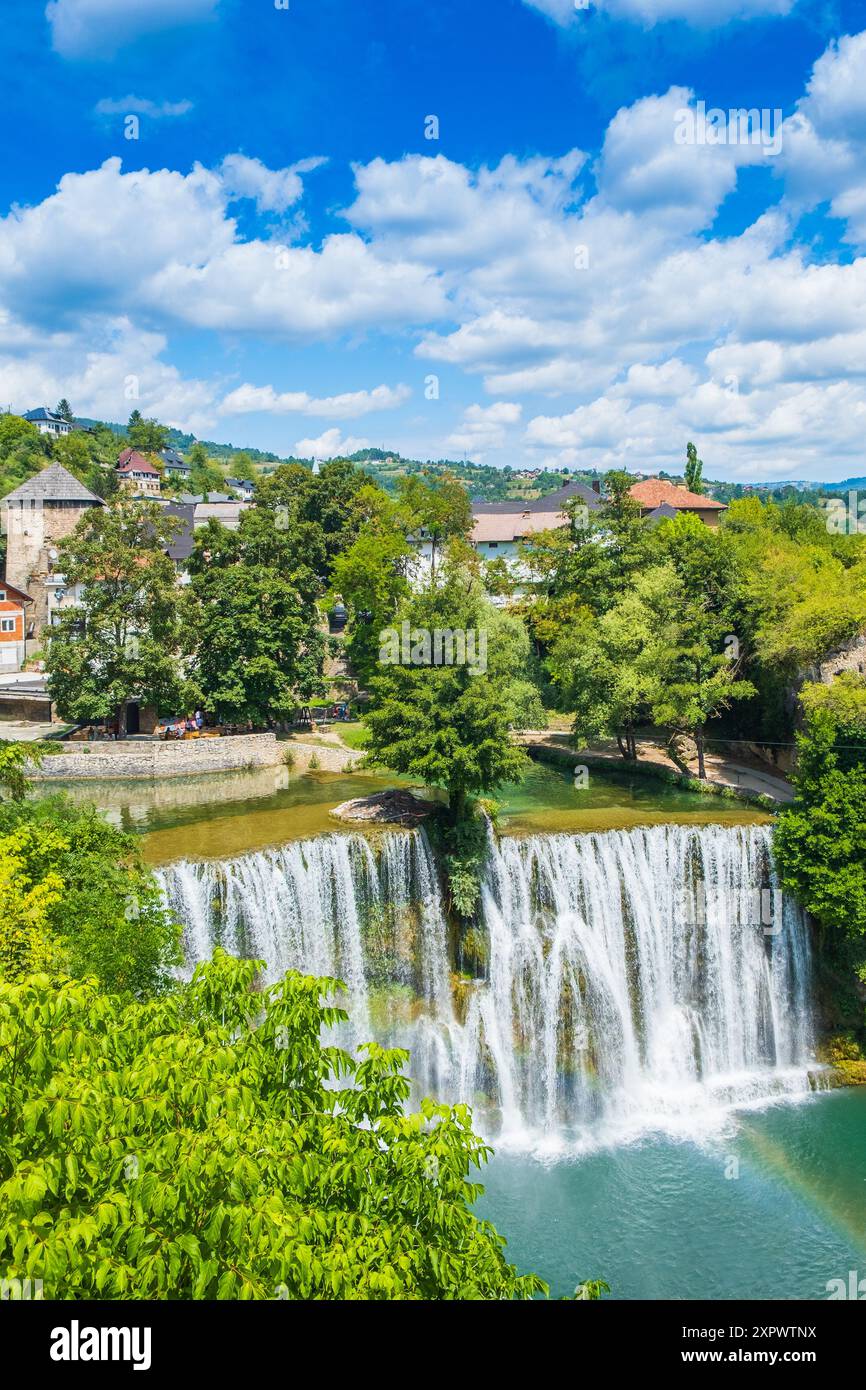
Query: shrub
(208, 1146)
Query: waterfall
(634, 979)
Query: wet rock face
(392, 807)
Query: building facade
(48, 423)
(13, 627)
(137, 475)
(36, 516)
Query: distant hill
(489, 484)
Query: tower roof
(54, 484)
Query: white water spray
(631, 981)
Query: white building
(48, 423)
(499, 527)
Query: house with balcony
(137, 475)
(48, 423)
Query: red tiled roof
(131, 461)
(651, 492)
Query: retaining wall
(182, 759)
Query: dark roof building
(173, 462)
(663, 512)
(551, 502)
(47, 422)
(180, 547)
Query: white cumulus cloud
(349, 405)
(484, 427)
(330, 445)
(273, 190)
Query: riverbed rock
(392, 807)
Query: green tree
(103, 915)
(64, 410)
(73, 452)
(371, 577)
(256, 641)
(447, 724)
(209, 1146)
(318, 513)
(103, 482)
(122, 642)
(625, 537)
(241, 467)
(205, 477)
(608, 669)
(25, 938)
(699, 665)
(819, 842)
(16, 759)
(148, 436)
(23, 452)
(694, 470)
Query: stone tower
(44, 510)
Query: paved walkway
(27, 730)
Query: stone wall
(186, 758)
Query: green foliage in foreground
(16, 759)
(190, 1147)
(76, 899)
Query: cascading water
(327, 906)
(633, 979)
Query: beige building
(36, 516)
(137, 475)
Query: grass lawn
(353, 735)
(559, 723)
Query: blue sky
(582, 268)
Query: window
(7, 624)
(2, 595)
(492, 545)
